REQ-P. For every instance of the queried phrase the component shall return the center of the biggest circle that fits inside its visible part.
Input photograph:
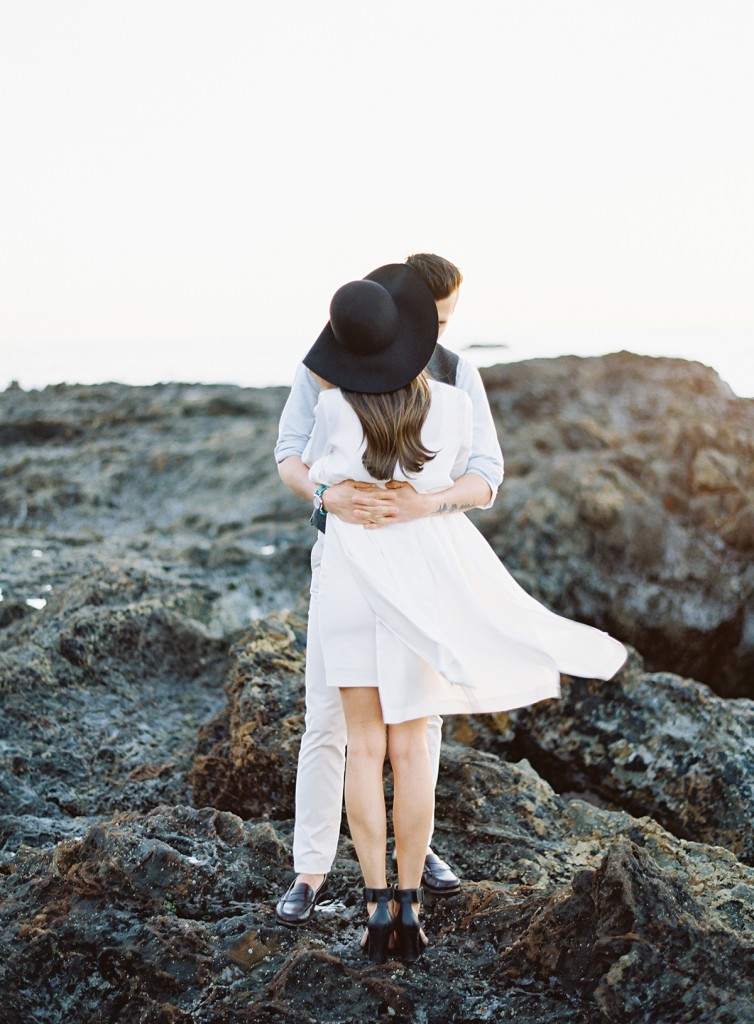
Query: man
(319, 782)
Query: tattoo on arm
(453, 507)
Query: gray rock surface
(650, 742)
(149, 723)
(628, 503)
(593, 916)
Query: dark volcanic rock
(650, 742)
(118, 928)
(168, 916)
(628, 503)
(132, 553)
(246, 756)
(631, 936)
(102, 696)
(654, 743)
(142, 530)
(175, 473)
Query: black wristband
(318, 518)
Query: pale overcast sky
(184, 184)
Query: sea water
(262, 363)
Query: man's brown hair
(440, 275)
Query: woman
(420, 618)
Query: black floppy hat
(381, 333)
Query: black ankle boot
(406, 924)
(379, 925)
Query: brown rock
(650, 742)
(712, 470)
(246, 757)
(591, 915)
(628, 938)
(625, 505)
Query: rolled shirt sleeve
(486, 457)
(297, 418)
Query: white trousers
(322, 756)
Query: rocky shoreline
(153, 574)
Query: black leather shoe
(437, 877)
(298, 903)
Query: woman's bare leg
(365, 797)
(413, 801)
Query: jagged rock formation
(629, 503)
(650, 742)
(149, 724)
(246, 755)
(590, 916)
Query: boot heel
(406, 923)
(379, 925)
(378, 941)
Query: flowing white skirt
(426, 612)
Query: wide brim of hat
(406, 356)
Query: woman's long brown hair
(392, 423)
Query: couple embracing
(412, 615)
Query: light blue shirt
(486, 458)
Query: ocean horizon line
(246, 364)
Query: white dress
(425, 610)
